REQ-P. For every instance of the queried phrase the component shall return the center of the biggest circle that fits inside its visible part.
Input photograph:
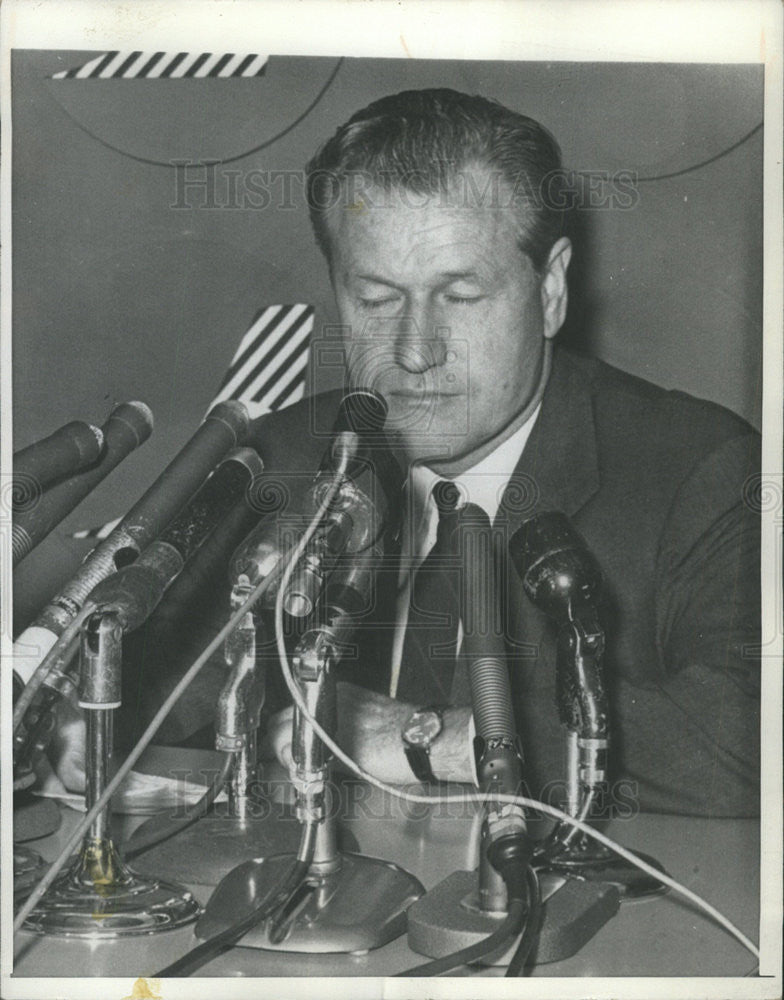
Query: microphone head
(85, 439)
(136, 416)
(361, 414)
(363, 411)
(234, 415)
(258, 553)
(554, 563)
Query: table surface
(661, 936)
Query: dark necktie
(430, 644)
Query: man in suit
(438, 217)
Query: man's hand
(66, 751)
(369, 731)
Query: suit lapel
(558, 469)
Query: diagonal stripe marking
(275, 366)
(292, 373)
(264, 347)
(267, 359)
(254, 345)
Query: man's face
(444, 315)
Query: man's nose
(420, 343)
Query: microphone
(361, 415)
(64, 452)
(448, 918)
(561, 576)
(496, 746)
(344, 601)
(224, 427)
(318, 651)
(369, 478)
(129, 425)
(555, 564)
(483, 642)
(360, 458)
(134, 591)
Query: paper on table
(140, 794)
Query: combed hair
(425, 141)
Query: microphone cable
(509, 928)
(274, 900)
(518, 961)
(162, 826)
(509, 856)
(562, 834)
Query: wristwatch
(421, 730)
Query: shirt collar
(485, 482)
(482, 484)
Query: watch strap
(419, 762)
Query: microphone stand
(239, 708)
(98, 896)
(584, 712)
(348, 902)
(561, 577)
(252, 823)
(468, 906)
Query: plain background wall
(120, 295)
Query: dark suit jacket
(654, 481)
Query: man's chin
(427, 449)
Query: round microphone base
(29, 868)
(99, 898)
(595, 863)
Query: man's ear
(553, 288)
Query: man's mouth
(422, 394)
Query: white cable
(475, 797)
(468, 796)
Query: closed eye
(463, 299)
(377, 303)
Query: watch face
(422, 728)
